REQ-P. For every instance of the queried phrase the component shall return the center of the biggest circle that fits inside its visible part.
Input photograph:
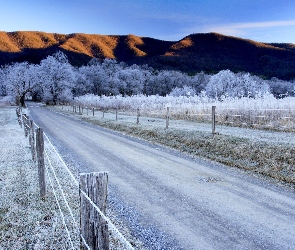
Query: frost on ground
(267, 153)
(26, 221)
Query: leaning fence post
(167, 118)
(94, 228)
(138, 115)
(40, 157)
(213, 119)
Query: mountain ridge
(210, 52)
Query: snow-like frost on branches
(55, 80)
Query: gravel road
(170, 201)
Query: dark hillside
(209, 52)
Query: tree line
(55, 80)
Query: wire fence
(275, 119)
(282, 119)
(66, 189)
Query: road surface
(173, 202)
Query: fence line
(63, 163)
(281, 119)
(59, 208)
(112, 227)
(60, 188)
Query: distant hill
(209, 52)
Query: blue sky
(260, 20)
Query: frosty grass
(26, 220)
(264, 153)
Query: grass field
(263, 152)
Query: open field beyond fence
(263, 113)
(268, 152)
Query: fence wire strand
(70, 210)
(65, 165)
(61, 213)
(62, 192)
(112, 226)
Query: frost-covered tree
(280, 88)
(58, 79)
(163, 81)
(21, 79)
(221, 84)
(226, 83)
(85, 81)
(109, 77)
(131, 80)
(200, 81)
(3, 91)
(183, 91)
(94, 76)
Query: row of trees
(52, 80)
(56, 80)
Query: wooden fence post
(29, 132)
(213, 119)
(32, 140)
(40, 157)
(138, 115)
(94, 228)
(92, 111)
(19, 116)
(167, 118)
(25, 123)
(116, 114)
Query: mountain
(210, 52)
